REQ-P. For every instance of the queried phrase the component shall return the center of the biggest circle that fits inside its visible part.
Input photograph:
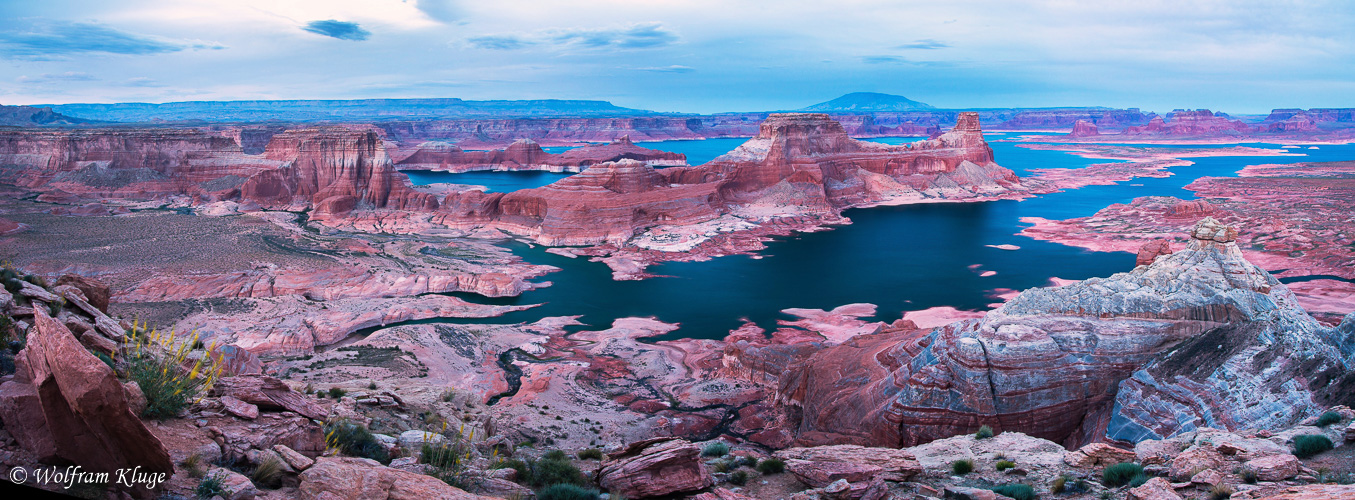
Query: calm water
(900, 258)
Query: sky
(699, 56)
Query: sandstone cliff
(526, 154)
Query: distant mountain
(338, 110)
(32, 116)
(867, 102)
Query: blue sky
(692, 56)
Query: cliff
(1189, 124)
(797, 165)
(1200, 337)
(526, 154)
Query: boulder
(36, 292)
(654, 467)
(966, 493)
(235, 360)
(346, 478)
(1350, 432)
(237, 437)
(1210, 477)
(1274, 467)
(268, 393)
(721, 494)
(901, 465)
(1098, 455)
(821, 474)
(84, 414)
(240, 408)
(414, 439)
(1193, 461)
(95, 292)
(136, 400)
(293, 458)
(234, 486)
(1155, 489)
(500, 488)
(1150, 251)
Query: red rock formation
(798, 164)
(1084, 128)
(654, 467)
(1151, 250)
(1053, 362)
(67, 406)
(1189, 124)
(526, 154)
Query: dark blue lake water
(900, 258)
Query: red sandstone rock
(95, 292)
(1098, 455)
(1084, 128)
(655, 467)
(1155, 489)
(1151, 250)
(528, 155)
(1313, 492)
(65, 404)
(267, 393)
(360, 479)
(1274, 467)
(1190, 123)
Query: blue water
(698, 152)
(900, 258)
(493, 181)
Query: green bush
(551, 470)
(715, 449)
(590, 454)
(566, 492)
(160, 375)
(1016, 491)
(555, 455)
(1138, 480)
(450, 460)
(209, 487)
(336, 393)
(268, 473)
(771, 466)
(1005, 464)
(1249, 475)
(1308, 445)
(738, 478)
(984, 432)
(962, 466)
(524, 469)
(1328, 418)
(1120, 474)
(1068, 484)
(356, 440)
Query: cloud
(55, 38)
(442, 10)
(883, 60)
(338, 29)
(669, 69)
(635, 36)
(69, 76)
(499, 42)
(925, 44)
(142, 81)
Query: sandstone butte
(526, 154)
(799, 165)
(1197, 338)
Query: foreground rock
(655, 467)
(65, 405)
(1089, 360)
(363, 479)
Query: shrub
(268, 473)
(210, 487)
(155, 361)
(1138, 480)
(1016, 491)
(738, 478)
(984, 432)
(1328, 418)
(962, 466)
(590, 454)
(448, 395)
(355, 440)
(551, 470)
(566, 492)
(1249, 475)
(320, 394)
(450, 460)
(555, 455)
(1120, 474)
(1220, 492)
(1004, 465)
(771, 466)
(524, 469)
(1308, 445)
(336, 393)
(372, 385)
(715, 449)
(1068, 484)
